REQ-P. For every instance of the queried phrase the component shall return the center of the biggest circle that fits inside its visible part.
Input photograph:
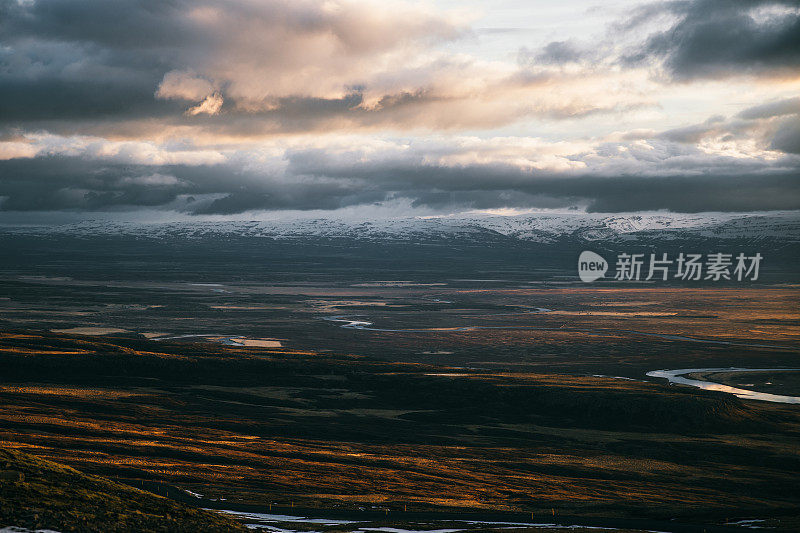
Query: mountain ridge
(541, 228)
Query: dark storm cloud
(119, 24)
(313, 181)
(58, 182)
(625, 194)
(53, 183)
(79, 65)
(325, 196)
(723, 37)
(87, 59)
(492, 186)
(692, 134)
(786, 135)
(787, 138)
(789, 106)
(219, 77)
(698, 194)
(707, 39)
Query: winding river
(353, 322)
(674, 376)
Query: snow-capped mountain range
(541, 228)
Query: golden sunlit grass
(73, 392)
(323, 431)
(38, 494)
(718, 312)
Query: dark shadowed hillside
(275, 426)
(38, 494)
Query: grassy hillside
(37, 494)
(283, 427)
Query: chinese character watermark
(687, 267)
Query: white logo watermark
(591, 266)
(687, 267)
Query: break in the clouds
(226, 107)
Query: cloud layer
(224, 107)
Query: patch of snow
(542, 228)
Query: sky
(176, 109)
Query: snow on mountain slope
(543, 228)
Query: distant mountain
(539, 228)
(542, 246)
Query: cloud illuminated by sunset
(241, 106)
